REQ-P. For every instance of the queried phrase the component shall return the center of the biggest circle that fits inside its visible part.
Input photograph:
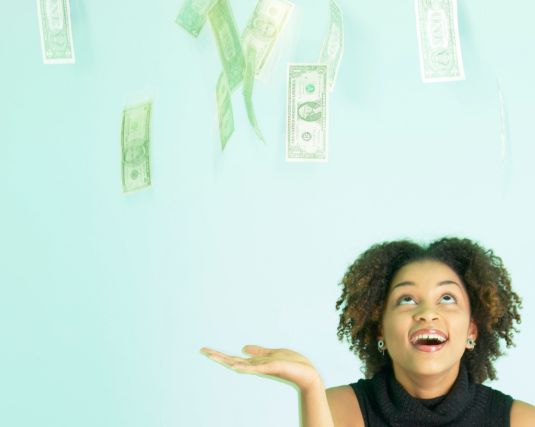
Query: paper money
(228, 41)
(307, 113)
(55, 30)
(192, 15)
(224, 109)
(258, 38)
(135, 144)
(264, 28)
(333, 47)
(248, 84)
(438, 40)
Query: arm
(290, 366)
(522, 414)
(314, 406)
(344, 406)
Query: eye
(404, 300)
(448, 299)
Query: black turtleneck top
(385, 403)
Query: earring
(471, 344)
(381, 346)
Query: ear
(380, 335)
(472, 330)
(380, 328)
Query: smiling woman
(427, 322)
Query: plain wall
(106, 298)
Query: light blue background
(107, 298)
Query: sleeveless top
(385, 403)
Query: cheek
(395, 329)
(461, 329)
(457, 317)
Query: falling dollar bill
(224, 109)
(307, 113)
(264, 28)
(135, 144)
(438, 40)
(192, 15)
(55, 31)
(228, 41)
(333, 47)
(258, 38)
(248, 84)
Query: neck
(423, 386)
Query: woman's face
(426, 320)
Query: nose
(426, 313)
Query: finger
(210, 352)
(237, 364)
(265, 367)
(232, 360)
(224, 358)
(261, 365)
(253, 366)
(256, 349)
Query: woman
(427, 322)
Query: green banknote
(260, 35)
(224, 109)
(264, 28)
(242, 59)
(192, 15)
(55, 31)
(307, 113)
(248, 84)
(438, 40)
(333, 47)
(228, 42)
(135, 145)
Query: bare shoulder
(522, 414)
(344, 407)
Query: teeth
(437, 337)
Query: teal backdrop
(106, 298)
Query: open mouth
(429, 342)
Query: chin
(434, 367)
(430, 369)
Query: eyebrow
(408, 283)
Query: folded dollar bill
(260, 35)
(135, 146)
(438, 40)
(55, 31)
(333, 46)
(264, 29)
(224, 110)
(228, 41)
(192, 15)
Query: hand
(278, 363)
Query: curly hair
(494, 306)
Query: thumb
(253, 349)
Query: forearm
(314, 407)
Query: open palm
(278, 363)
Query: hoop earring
(381, 346)
(471, 344)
